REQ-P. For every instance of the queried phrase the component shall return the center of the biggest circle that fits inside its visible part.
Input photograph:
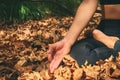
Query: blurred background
(12, 11)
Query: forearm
(83, 15)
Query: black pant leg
(91, 50)
(117, 46)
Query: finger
(54, 64)
(50, 52)
(57, 60)
(50, 57)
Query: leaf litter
(23, 52)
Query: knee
(117, 46)
(95, 32)
(80, 46)
(80, 50)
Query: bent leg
(90, 50)
(109, 41)
(117, 46)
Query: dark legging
(91, 50)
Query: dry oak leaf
(91, 72)
(19, 64)
(45, 75)
(2, 34)
(69, 61)
(59, 78)
(63, 73)
(116, 73)
(31, 76)
(77, 74)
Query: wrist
(69, 41)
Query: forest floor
(23, 52)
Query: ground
(23, 52)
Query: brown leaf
(116, 73)
(78, 74)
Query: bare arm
(83, 15)
(57, 50)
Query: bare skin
(112, 11)
(109, 41)
(56, 53)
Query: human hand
(56, 53)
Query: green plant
(59, 7)
(17, 10)
(21, 10)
